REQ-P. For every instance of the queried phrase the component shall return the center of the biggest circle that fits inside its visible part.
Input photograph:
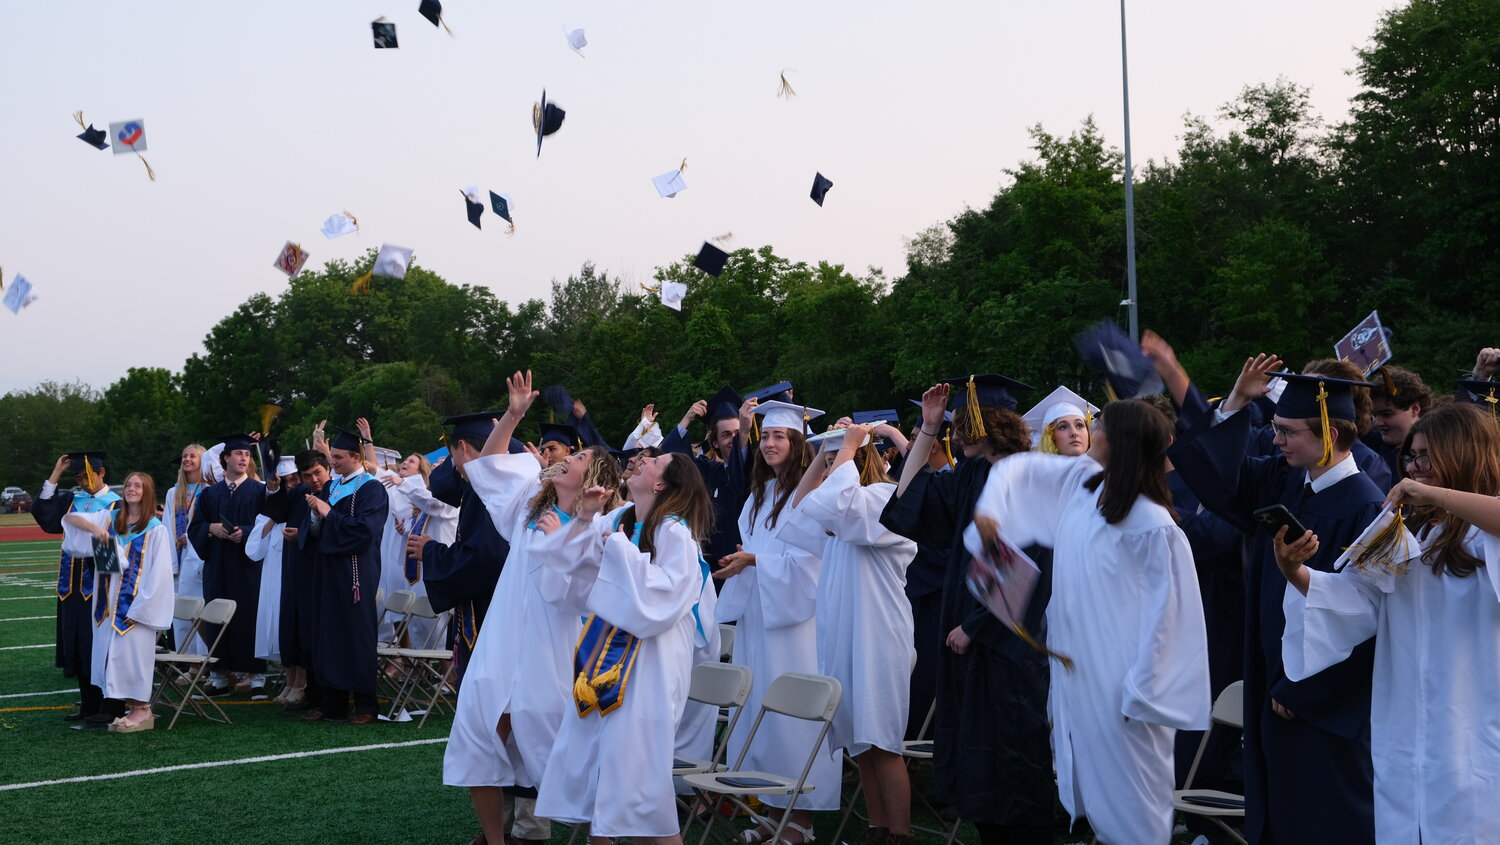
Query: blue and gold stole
(414, 566)
(181, 515)
(78, 575)
(603, 659)
(130, 576)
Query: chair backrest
(803, 696)
(187, 608)
(726, 641)
(380, 597)
(421, 606)
(721, 684)
(400, 602)
(217, 612)
(1229, 707)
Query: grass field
(330, 783)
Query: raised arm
(521, 397)
(934, 403)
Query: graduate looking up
(1307, 742)
(1436, 622)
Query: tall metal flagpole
(1135, 317)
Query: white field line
(19, 647)
(52, 596)
(27, 618)
(73, 690)
(240, 762)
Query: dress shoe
(257, 693)
(98, 719)
(313, 715)
(364, 719)
(212, 691)
(74, 717)
(301, 705)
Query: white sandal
(807, 834)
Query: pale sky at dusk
(263, 119)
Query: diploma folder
(106, 556)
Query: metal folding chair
(427, 668)
(1229, 711)
(172, 666)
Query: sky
(264, 119)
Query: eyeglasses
(1286, 433)
(1421, 463)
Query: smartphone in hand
(1275, 516)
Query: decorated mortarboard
(669, 184)
(1367, 346)
(475, 426)
(820, 187)
(1485, 394)
(711, 259)
(432, 10)
(1060, 403)
(781, 391)
(290, 259)
(724, 405)
(19, 294)
(560, 433)
(546, 118)
(986, 389)
(1318, 397)
(436, 455)
(130, 137)
(348, 441)
(576, 40)
(501, 205)
(384, 34)
(339, 225)
(473, 204)
(1128, 373)
(778, 414)
(286, 466)
(392, 261)
(672, 294)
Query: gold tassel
(1323, 421)
(948, 450)
(975, 420)
(1026, 637)
(607, 679)
(352, 219)
(268, 413)
(1493, 402)
(755, 427)
(149, 172)
(88, 475)
(1387, 549)
(361, 285)
(727, 236)
(1109, 392)
(683, 166)
(786, 90)
(510, 227)
(78, 116)
(1390, 383)
(584, 693)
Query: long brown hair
(1138, 436)
(602, 471)
(148, 506)
(685, 498)
(787, 478)
(1005, 432)
(181, 499)
(1463, 445)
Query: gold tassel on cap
(1493, 401)
(1390, 383)
(88, 475)
(975, 420)
(786, 90)
(361, 285)
(1323, 421)
(352, 219)
(948, 450)
(267, 414)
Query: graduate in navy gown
(1397, 402)
(991, 740)
(924, 589)
(1308, 775)
(461, 577)
(223, 519)
(340, 539)
(721, 465)
(299, 582)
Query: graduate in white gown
(426, 517)
(130, 606)
(265, 544)
(635, 575)
(519, 685)
(864, 619)
(1125, 608)
(770, 593)
(1435, 713)
(187, 567)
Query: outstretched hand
(1253, 381)
(593, 499)
(521, 395)
(934, 405)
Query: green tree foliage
(39, 424)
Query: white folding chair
(1212, 804)
(193, 668)
(726, 641)
(813, 698)
(426, 667)
(725, 686)
(389, 671)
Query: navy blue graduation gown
(1390, 454)
(726, 483)
(345, 552)
(924, 590)
(461, 577)
(299, 579)
(1369, 461)
(74, 644)
(1309, 779)
(227, 572)
(992, 755)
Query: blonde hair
(602, 471)
(181, 499)
(424, 467)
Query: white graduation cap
(339, 225)
(833, 438)
(286, 466)
(19, 294)
(1060, 403)
(672, 294)
(392, 261)
(577, 41)
(209, 463)
(668, 184)
(778, 414)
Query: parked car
(19, 503)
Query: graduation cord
(354, 559)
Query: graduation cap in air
(392, 261)
(567, 435)
(432, 10)
(384, 33)
(348, 441)
(1128, 373)
(19, 294)
(546, 118)
(672, 294)
(436, 455)
(669, 184)
(339, 225)
(820, 187)
(290, 259)
(130, 137)
(559, 400)
(500, 204)
(472, 204)
(94, 137)
(1318, 397)
(1481, 393)
(781, 391)
(778, 414)
(724, 405)
(711, 259)
(577, 41)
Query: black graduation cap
(567, 435)
(778, 392)
(986, 389)
(96, 460)
(473, 426)
(233, 442)
(624, 455)
(1128, 373)
(384, 33)
(501, 207)
(724, 405)
(821, 184)
(559, 400)
(872, 417)
(474, 209)
(1481, 393)
(546, 118)
(345, 441)
(711, 259)
(1300, 400)
(432, 10)
(94, 137)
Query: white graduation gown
(523, 660)
(123, 665)
(393, 550)
(696, 729)
(266, 548)
(187, 574)
(773, 605)
(1125, 607)
(1435, 712)
(864, 619)
(615, 771)
(442, 526)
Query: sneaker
(258, 694)
(212, 691)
